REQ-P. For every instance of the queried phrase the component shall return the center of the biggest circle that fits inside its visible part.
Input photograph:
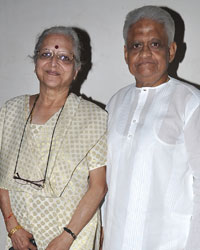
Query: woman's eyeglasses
(34, 184)
(65, 57)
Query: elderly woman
(53, 147)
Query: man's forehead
(145, 27)
(146, 22)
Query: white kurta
(153, 157)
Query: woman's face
(55, 66)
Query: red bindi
(56, 47)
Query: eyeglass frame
(53, 53)
(35, 184)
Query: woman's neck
(47, 105)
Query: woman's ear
(76, 73)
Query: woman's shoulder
(17, 100)
(89, 114)
(89, 106)
(14, 107)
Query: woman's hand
(21, 240)
(62, 242)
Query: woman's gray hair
(150, 12)
(67, 31)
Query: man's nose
(145, 51)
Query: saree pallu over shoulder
(79, 132)
(82, 125)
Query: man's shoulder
(123, 91)
(120, 95)
(192, 90)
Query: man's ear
(172, 51)
(126, 53)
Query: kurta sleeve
(192, 141)
(97, 155)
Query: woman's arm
(85, 209)
(20, 239)
(6, 210)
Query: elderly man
(153, 170)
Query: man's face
(147, 52)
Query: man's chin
(150, 80)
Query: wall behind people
(101, 24)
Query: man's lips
(145, 63)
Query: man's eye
(155, 44)
(136, 46)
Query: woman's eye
(64, 58)
(45, 55)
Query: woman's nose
(54, 60)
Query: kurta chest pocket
(170, 131)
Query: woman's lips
(52, 73)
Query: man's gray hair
(67, 31)
(150, 12)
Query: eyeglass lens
(63, 56)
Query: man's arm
(192, 140)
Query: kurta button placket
(143, 93)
